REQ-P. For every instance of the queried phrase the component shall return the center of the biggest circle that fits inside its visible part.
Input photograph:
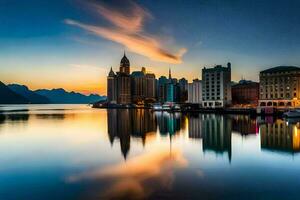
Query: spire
(124, 54)
(111, 72)
(170, 76)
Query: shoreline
(228, 110)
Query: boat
(292, 114)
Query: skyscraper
(111, 87)
(119, 84)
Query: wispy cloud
(128, 30)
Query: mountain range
(21, 94)
(7, 96)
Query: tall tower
(125, 65)
(170, 76)
(111, 87)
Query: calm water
(75, 152)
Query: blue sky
(41, 48)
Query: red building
(245, 93)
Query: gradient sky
(71, 44)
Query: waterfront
(76, 152)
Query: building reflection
(216, 133)
(280, 136)
(195, 126)
(124, 123)
(244, 124)
(170, 123)
(214, 130)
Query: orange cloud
(128, 31)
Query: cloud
(128, 30)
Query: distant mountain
(33, 97)
(7, 96)
(62, 96)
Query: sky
(72, 44)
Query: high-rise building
(183, 90)
(195, 92)
(150, 87)
(171, 92)
(143, 86)
(245, 93)
(162, 89)
(216, 86)
(119, 84)
(280, 87)
(138, 86)
(111, 87)
(123, 88)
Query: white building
(216, 86)
(195, 92)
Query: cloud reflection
(134, 177)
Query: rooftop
(281, 69)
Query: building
(150, 87)
(143, 86)
(279, 87)
(162, 89)
(183, 90)
(138, 86)
(111, 87)
(195, 92)
(119, 84)
(216, 86)
(245, 93)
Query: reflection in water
(168, 155)
(195, 126)
(58, 116)
(123, 123)
(244, 124)
(170, 123)
(216, 131)
(280, 135)
(17, 117)
(140, 176)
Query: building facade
(150, 87)
(245, 93)
(195, 92)
(183, 90)
(111, 87)
(162, 89)
(279, 87)
(216, 86)
(119, 84)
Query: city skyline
(67, 44)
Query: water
(76, 152)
